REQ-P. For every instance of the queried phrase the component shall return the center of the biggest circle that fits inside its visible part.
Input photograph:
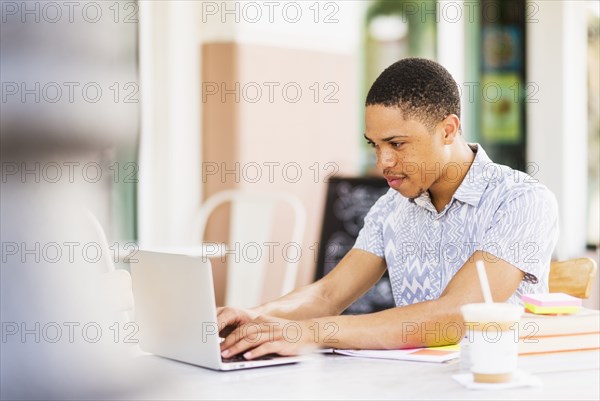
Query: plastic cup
(492, 333)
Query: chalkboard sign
(348, 201)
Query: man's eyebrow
(386, 139)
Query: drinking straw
(483, 281)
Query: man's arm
(436, 322)
(427, 323)
(353, 276)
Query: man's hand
(228, 319)
(269, 335)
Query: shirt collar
(473, 185)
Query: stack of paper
(554, 303)
(559, 333)
(432, 354)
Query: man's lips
(395, 179)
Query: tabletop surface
(570, 375)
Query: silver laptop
(176, 313)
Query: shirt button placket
(437, 239)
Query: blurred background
(119, 119)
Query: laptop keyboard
(240, 358)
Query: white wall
(171, 35)
(451, 48)
(557, 120)
(318, 25)
(169, 190)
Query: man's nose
(387, 158)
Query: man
(448, 205)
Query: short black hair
(422, 89)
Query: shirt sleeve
(370, 237)
(524, 232)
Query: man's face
(409, 155)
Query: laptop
(176, 313)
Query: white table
(564, 376)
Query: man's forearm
(430, 323)
(307, 302)
(353, 276)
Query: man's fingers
(238, 334)
(263, 349)
(227, 320)
(239, 347)
(226, 331)
(227, 316)
(243, 338)
(230, 339)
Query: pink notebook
(552, 299)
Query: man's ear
(450, 126)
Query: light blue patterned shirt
(496, 209)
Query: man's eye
(396, 144)
(371, 144)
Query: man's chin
(410, 194)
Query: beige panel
(306, 131)
(219, 130)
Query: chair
(115, 282)
(251, 222)
(574, 276)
